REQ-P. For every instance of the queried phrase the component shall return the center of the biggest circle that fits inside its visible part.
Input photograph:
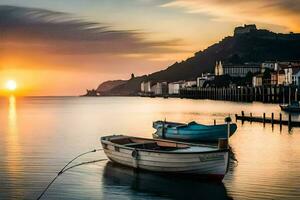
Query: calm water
(39, 135)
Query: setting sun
(11, 85)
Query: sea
(39, 135)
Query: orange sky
(52, 48)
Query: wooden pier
(271, 120)
(266, 94)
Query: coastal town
(222, 73)
(270, 75)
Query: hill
(253, 46)
(106, 86)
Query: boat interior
(149, 144)
(179, 125)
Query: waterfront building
(273, 66)
(174, 88)
(155, 89)
(291, 70)
(189, 84)
(146, 87)
(278, 78)
(143, 87)
(296, 77)
(240, 70)
(160, 88)
(218, 69)
(257, 80)
(204, 78)
(288, 76)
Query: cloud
(41, 30)
(276, 12)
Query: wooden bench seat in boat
(143, 145)
(121, 140)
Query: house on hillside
(239, 70)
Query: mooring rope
(64, 169)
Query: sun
(11, 85)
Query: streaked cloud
(283, 13)
(57, 32)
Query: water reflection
(13, 150)
(119, 179)
(12, 116)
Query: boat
(164, 156)
(192, 132)
(294, 106)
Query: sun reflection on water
(14, 153)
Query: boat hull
(206, 133)
(205, 164)
(290, 109)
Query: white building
(146, 87)
(205, 77)
(189, 84)
(257, 80)
(219, 69)
(143, 87)
(269, 65)
(175, 87)
(288, 76)
(159, 88)
(296, 77)
(278, 77)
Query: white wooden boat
(167, 156)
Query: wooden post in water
(290, 122)
(228, 121)
(215, 122)
(280, 121)
(283, 96)
(264, 118)
(289, 95)
(251, 118)
(272, 119)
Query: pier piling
(272, 119)
(290, 122)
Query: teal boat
(192, 132)
(292, 107)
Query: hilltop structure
(245, 29)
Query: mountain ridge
(255, 46)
